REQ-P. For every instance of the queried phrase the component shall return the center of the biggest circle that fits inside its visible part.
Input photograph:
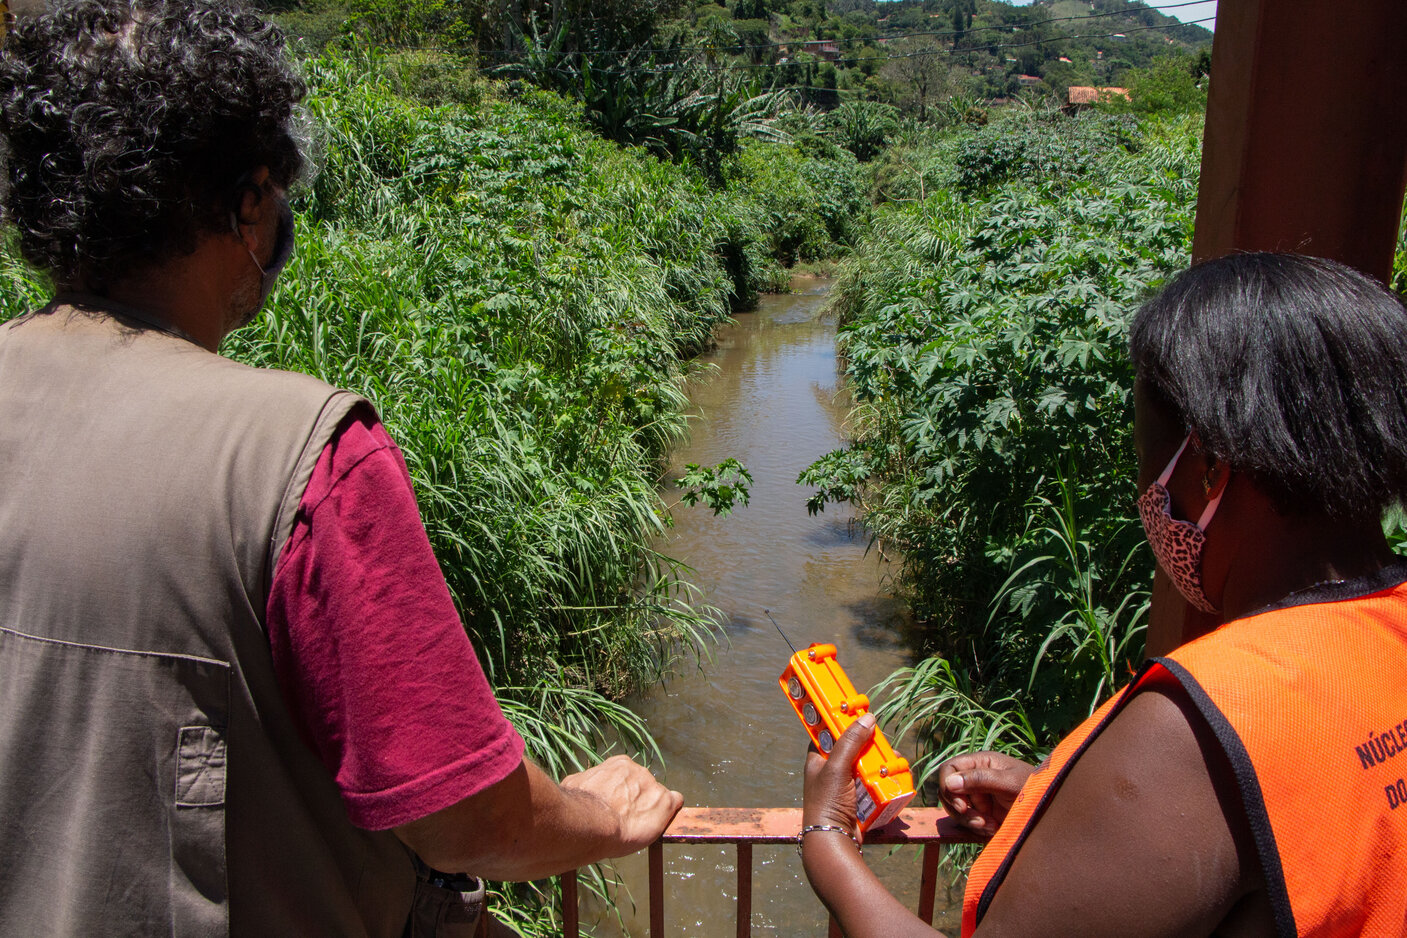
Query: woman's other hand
(829, 791)
(977, 789)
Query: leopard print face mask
(1178, 545)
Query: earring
(1206, 485)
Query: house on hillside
(1028, 81)
(822, 48)
(1083, 97)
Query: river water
(776, 402)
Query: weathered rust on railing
(929, 828)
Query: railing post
(744, 889)
(928, 885)
(571, 926)
(657, 889)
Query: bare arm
(1146, 837)
(528, 826)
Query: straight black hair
(1292, 369)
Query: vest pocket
(200, 768)
(198, 864)
(112, 775)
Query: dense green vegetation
(985, 329)
(984, 322)
(520, 299)
(686, 75)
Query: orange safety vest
(1316, 686)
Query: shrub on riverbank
(985, 331)
(808, 201)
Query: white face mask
(283, 250)
(1178, 545)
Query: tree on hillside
(502, 25)
(919, 69)
(1202, 63)
(753, 38)
(574, 25)
(809, 16)
(1059, 76)
(960, 13)
(908, 18)
(1173, 83)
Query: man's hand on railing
(527, 826)
(977, 788)
(641, 806)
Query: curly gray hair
(126, 126)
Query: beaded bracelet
(824, 827)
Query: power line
(922, 53)
(1005, 27)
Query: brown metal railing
(929, 828)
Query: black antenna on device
(768, 614)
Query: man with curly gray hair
(235, 694)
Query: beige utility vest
(151, 779)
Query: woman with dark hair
(1247, 783)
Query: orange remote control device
(826, 702)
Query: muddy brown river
(776, 402)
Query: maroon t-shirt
(368, 648)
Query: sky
(1196, 11)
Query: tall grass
(518, 299)
(1087, 649)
